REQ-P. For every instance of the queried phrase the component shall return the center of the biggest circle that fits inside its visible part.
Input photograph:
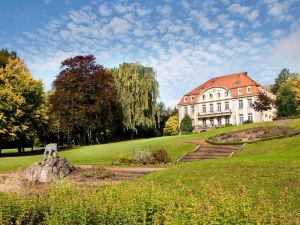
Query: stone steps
(207, 151)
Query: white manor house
(223, 100)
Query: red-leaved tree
(84, 100)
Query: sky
(186, 41)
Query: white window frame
(250, 115)
(226, 104)
(211, 96)
(219, 107)
(249, 100)
(249, 89)
(185, 98)
(241, 118)
(203, 97)
(211, 108)
(219, 95)
(192, 109)
(204, 108)
(226, 93)
(185, 110)
(240, 91)
(241, 106)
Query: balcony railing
(215, 112)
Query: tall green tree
(281, 78)
(186, 126)
(137, 91)
(84, 100)
(22, 104)
(286, 102)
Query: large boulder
(51, 167)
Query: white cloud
(104, 10)
(286, 51)
(165, 10)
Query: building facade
(223, 100)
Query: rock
(51, 167)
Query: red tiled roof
(231, 82)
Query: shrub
(171, 126)
(143, 157)
(186, 126)
(160, 156)
(125, 158)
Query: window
(219, 121)
(192, 109)
(192, 98)
(204, 108)
(226, 105)
(219, 95)
(211, 108)
(219, 107)
(203, 97)
(185, 110)
(185, 99)
(241, 118)
(211, 96)
(240, 91)
(211, 122)
(226, 93)
(227, 120)
(249, 89)
(249, 102)
(204, 122)
(250, 117)
(240, 104)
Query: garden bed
(252, 135)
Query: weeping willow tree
(137, 91)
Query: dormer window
(203, 97)
(249, 90)
(211, 96)
(185, 99)
(192, 98)
(226, 93)
(240, 91)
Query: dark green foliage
(247, 121)
(286, 102)
(282, 77)
(5, 55)
(186, 125)
(160, 156)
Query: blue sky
(187, 42)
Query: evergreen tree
(186, 126)
(286, 102)
(282, 77)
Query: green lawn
(105, 154)
(258, 185)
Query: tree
(84, 100)
(286, 102)
(171, 126)
(137, 93)
(5, 55)
(186, 126)
(294, 83)
(263, 102)
(282, 77)
(22, 105)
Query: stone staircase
(207, 151)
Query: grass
(259, 185)
(106, 154)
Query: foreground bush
(142, 204)
(146, 157)
(186, 126)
